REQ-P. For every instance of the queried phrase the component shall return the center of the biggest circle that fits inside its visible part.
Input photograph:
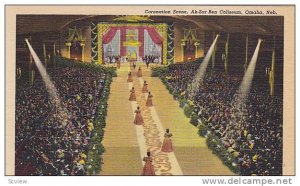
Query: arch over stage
(132, 40)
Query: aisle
(122, 155)
(191, 151)
(151, 134)
(126, 144)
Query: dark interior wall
(37, 41)
(179, 34)
(86, 32)
(237, 56)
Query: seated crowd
(251, 131)
(53, 139)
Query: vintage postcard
(149, 90)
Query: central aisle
(126, 144)
(122, 154)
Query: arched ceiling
(264, 25)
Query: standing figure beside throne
(129, 55)
(134, 56)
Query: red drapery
(141, 40)
(109, 35)
(156, 38)
(123, 39)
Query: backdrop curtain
(154, 35)
(156, 38)
(122, 39)
(109, 35)
(141, 40)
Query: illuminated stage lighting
(248, 76)
(51, 89)
(198, 78)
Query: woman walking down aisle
(139, 73)
(129, 79)
(132, 95)
(134, 65)
(138, 120)
(119, 63)
(167, 144)
(149, 100)
(148, 169)
(131, 159)
(145, 87)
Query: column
(68, 44)
(196, 49)
(45, 55)
(213, 57)
(246, 57)
(31, 71)
(272, 72)
(82, 51)
(226, 54)
(54, 53)
(182, 44)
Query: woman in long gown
(148, 169)
(167, 143)
(129, 79)
(139, 73)
(132, 95)
(145, 87)
(134, 64)
(138, 120)
(118, 63)
(149, 100)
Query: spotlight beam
(245, 86)
(202, 69)
(49, 85)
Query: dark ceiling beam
(184, 18)
(78, 19)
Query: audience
(54, 139)
(252, 131)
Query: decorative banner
(170, 39)
(94, 42)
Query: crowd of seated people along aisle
(250, 134)
(59, 139)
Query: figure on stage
(134, 55)
(132, 95)
(129, 79)
(138, 120)
(129, 55)
(118, 64)
(149, 100)
(148, 169)
(113, 61)
(134, 64)
(139, 73)
(167, 143)
(145, 87)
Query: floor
(126, 143)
